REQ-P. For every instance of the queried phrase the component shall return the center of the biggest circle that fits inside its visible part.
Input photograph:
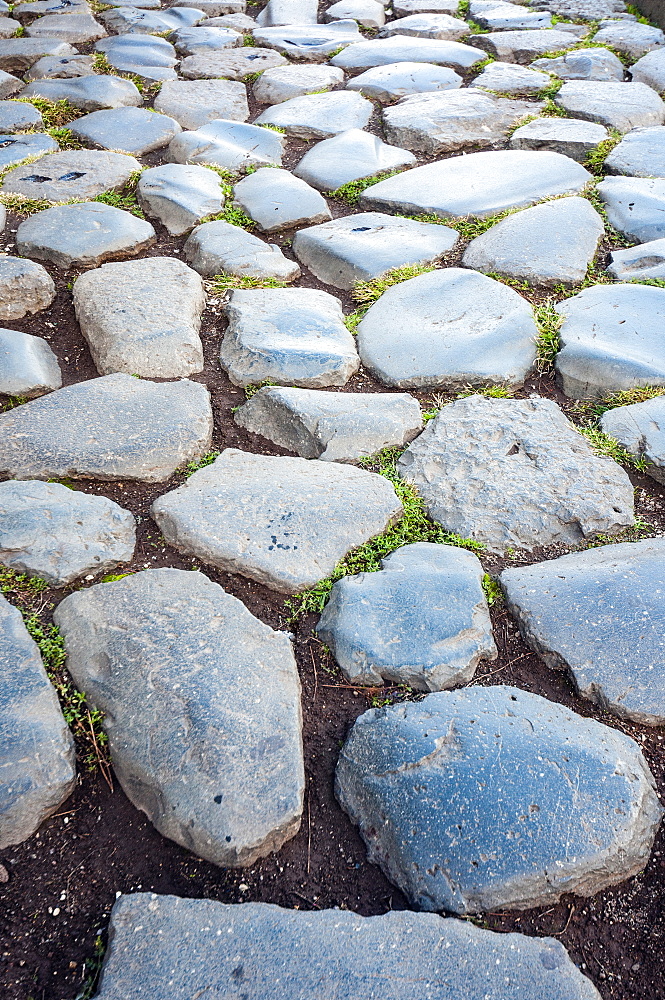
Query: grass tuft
(609, 447)
(221, 283)
(352, 191)
(125, 198)
(11, 402)
(626, 397)
(65, 138)
(208, 459)
(548, 343)
(367, 292)
(55, 114)
(594, 160)
(251, 390)
(493, 592)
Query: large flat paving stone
(288, 12)
(76, 173)
(204, 40)
(130, 20)
(126, 130)
(114, 427)
(422, 620)
(37, 757)
(202, 709)
(427, 26)
(193, 103)
(59, 534)
(25, 287)
(284, 82)
(508, 78)
(277, 200)
(309, 42)
(401, 79)
(78, 28)
(514, 473)
(631, 37)
(450, 327)
(18, 54)
(498, 16)
(219, 247)
(89, 93)
(644, 261)
(494, 798)
(368, 13)
(569, 136)
(622, 106)
(180, 195)
(28, 366)
(15, 116)
(149, 57)
(284, 522)
(350, 156)
(401, 48)
(14, 148)
(640, 429)
(319, 116)
(331, 426)
(635, 206)
(231, 64)
(230, 145)
(583, 64)
(524, 46)
(404, 7)
(650, 69)
(641, 153)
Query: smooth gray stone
(319, 116)
(150, 58)
(401, 79)
(402, 8)
(596, 614)
(640, 429)
(309, 43)
(478, 184)
(14, 148)
(18, 54)
(284, 82)
(28, 11)
(202, 709)
(401, 48)
(228, 144)
(514, 473)
(287, 12)
(239, 22)
(622, 106)
(567, 136)
(79, 28)
(368, 13)
(635, 206)
(331, 426)
(194, 103)
(126, 130)
(89, 93)
(284, 522)
(524, 46)
(596, 9)
(508, 78)
(9, 85)
(114, 427)
(25, 287)
(277, 200)
(37, 756)
(142, 4)
(180, 196)
(289, 336)
(451, 120)
(641, 153)
(131, 20)
(75, 173)
(422, 620)
(349, 156)
(583, 64)
(219, 247)
(497, 16)
(190, 41)
(142, 317)
(650, 69)
(232, 64)
(549, 244)
(84, 235)
(60, 68)
(427, 26)
(58, 534)
(215, 8)
(28, 366)
(365, 246)
(630, 37)
(16, 116)
(644, 261)
(611, 339)
(495, 798)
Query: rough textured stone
(497, 16)
(348, 157)
(515, 473)
(28, 11)
(309, 43)
(9, 85)
(276, 200)
(427, 26)
(28, 366)
(623, 106)
(232, 64)
(60, 68)
(507, 78)
(194, 103)
(205, 40)
(403, 8)
(202, 709)
(180, 196)
(495, 798)
(18, 54)
(640, 429)
(240, 22)
(130, 20)
(364, 246)
(524, 46)
(78, 28)
(228, 144)
(284, 522)
(37, 757)
(76, 173)
(635, 206)
(650, 69)
(90, 93)
(319, 116)
(16, 116)
(287, 12)
(59, 534)
(150, 58)
(401, 48)
(290, 336)
(219, 247)
(282, 83)
(401, 79)
(641, 153)
(14, 148)
(630, 37)
(25, 287)
(126, 130)
(583, 64)
(644, 261)
(331, 426)
(567, 136)
(367, 13)
(114, 427)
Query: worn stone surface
(59, 68)
(9, 85)
(78, 28)
(515, 474)
(277, 200)
(622, 106)
(497, 16)
(14, 148)
(308, 42)
(232, 64)
(631, 37)
(89, 93)
(18, 54)
(149, 57)
(401, 48)
(368, 13)
(568, 136)
(283, 82)
(524, 46)
(15, 116)
(427, 26)
(228, 144)
(644, 261)
(25, 287)
(114, 427)
(59, 534)
(401, 79)
(349, 156)
(37, 756)
(76, 173)
(507, 78)
(650, 69)
(635, 206)
(194, 103)
(583, 64)
(319, 116)
(284, 522)
(205, 40)
(130, 20)
(202, 709)
(495, 798)
(219, 247)
(28, 366)
(640, 429)
(180, 195)
(404, 7)
(641, 153)
(287, 12)
(126, 130)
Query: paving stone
(650, 69)
(60, 68)
(196, 102)
(180, 196)
(640, 429)
(14, 148)
(331, 426)
(568, 136)
(83, 235)
(631, 37)
(427, 26)
(277, 200)
(497, 16)
(239, 22)
(402, 48)
(89, 93)
(76, 173)
(130, 20)
(113, 427)
(644, 261)
(142, 317)
(451, 120)
(622, 106)
(288, 336)
(126, 130)
(310, 43)
(219, 247)
(38, 758)
(285, 82)
(77, 28)
(365, 246)
(635, 206)
(143, 4)
(611, 339)
(28, 366)
(641, 153)
(507, 78)
(287, 12)
(549, 244)
(148, 57)
(524, 46)
(319, 116)
(8, 26)
(18, 54)
(228, 144)
(232, 64)
(10, 85)
(583, 64)
(28, 11)
(284, 522)
(190, 41)
(514, 473)
(367, 13)
(575, 808)
(401, 79)
(202, 709)
(403, 8)
(215, 8)
(582, 8)
(16, 116)
(25, 287)
(594, 614)
(59, 534)
(347, 157)
(478, 184)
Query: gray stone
(582, 8)
(191, 41)
(583, 64)
(77, 28)
(630, 37)
(641, 153)
(650, 69)
(478, 184)
(403, 8)
(76, 173)
(611, 339)
(365, 246)
(89, 93)
(287, 12)
(37, 757)
(130, 20)
(142, 317)
(463, 329)
(60, 68)
(282, 83)
(289, 336)
(401, 48)
(239, 22)
(635, 206)
(28, 366)
(368, 13)
(16, 116)
(495, 798)
(277, 200)
(219, 247)
(497, 16)
(28, 11)
(350, 156)
(214, 8)
(232, 64)
(25, 287)
(126, 130)
(228, 144)
(114, 427)
(180, 196)
(284, 522)
(18, 54)
(640, 429)
(59, 534)
(514, 473)
(644, 261)
(331, 426)
(9, 85)
(148, 57)
(196, 102)
(309, 43)
(14, 148)
(84, 235)
(507, 78)
(524, 46)
(622, 106)
(567, 136)
(401, 79)
(549, 244)
(427, 26)
(319, 116)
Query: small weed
(273, 128)
(491, 391)
(92, 968)
(222, 282)
(367, 292)
(632, 9)
(114, 577)
(251, 390)
(480, 66)
(125, 198)
(493, 592)
(208, 459)
(65, 138)
(608, 446)
(230, 213)
(11, 402)
(654, 282)
(21, 205)
(247, 41)
(353, 319)
(548, 343)
(627, 397)
(336, 52)
(549, 92)
(352, 191)
(20, 584)
(55, 114)
(469, 228)
(252, 77)
(595, 158)
(100, 63)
